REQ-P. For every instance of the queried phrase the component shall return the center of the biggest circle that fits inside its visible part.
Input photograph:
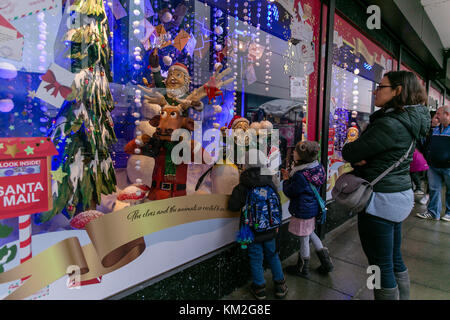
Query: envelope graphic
(181, 40)
(11, 41)
(162, 37)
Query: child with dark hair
(257, 198)
(307, 173)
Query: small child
(264, 244)
(304, 206)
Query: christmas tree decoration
(84, 167)
(7, 71)
(56, 85)
(58, 175)
(43, 41)
(167, 60)
(166, 17)
(6, 105)
(181, 40)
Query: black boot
(281, 289)
(386, 294)
(402, 279)
(301, 269)
(326, 265)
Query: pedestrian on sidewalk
(391, 132)
(417, 169)
(244, 197)
(439, 172)
(304, 207)
(423, 145)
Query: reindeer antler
(215, 83)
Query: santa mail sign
(25, 184)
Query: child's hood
(313, 172)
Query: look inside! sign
(25, 185)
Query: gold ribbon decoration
(361, 48)
(116, 240)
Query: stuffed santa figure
(176, 85)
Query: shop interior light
(367, 66)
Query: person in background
(423, 147)
(390, 135)
(417, 168)
(439, 172)
(306, 173)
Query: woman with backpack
(257, 198)
(306, 174)
(390, 137)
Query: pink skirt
(302, 227)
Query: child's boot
(301, 269)
(326, 265)
(281, 289)
(258, 291)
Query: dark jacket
(385, 140)
(439, 148)
(249, 179)
(303, 203)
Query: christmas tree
(83, 129)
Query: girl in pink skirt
(304, 207)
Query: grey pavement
(425, 250)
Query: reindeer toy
(169, 180)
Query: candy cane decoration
(25, 239)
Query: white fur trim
(180, 68)
(154, 70)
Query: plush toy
(352, 134)
(169, 179)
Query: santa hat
(236, 119)
(181, 67)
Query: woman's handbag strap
(395, 165)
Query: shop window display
(93, 79)
(358, 65)
(435, 98)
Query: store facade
(306, 68)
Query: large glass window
(86, 81)
(358, 65)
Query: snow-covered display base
(165, 250)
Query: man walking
(439, 172)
